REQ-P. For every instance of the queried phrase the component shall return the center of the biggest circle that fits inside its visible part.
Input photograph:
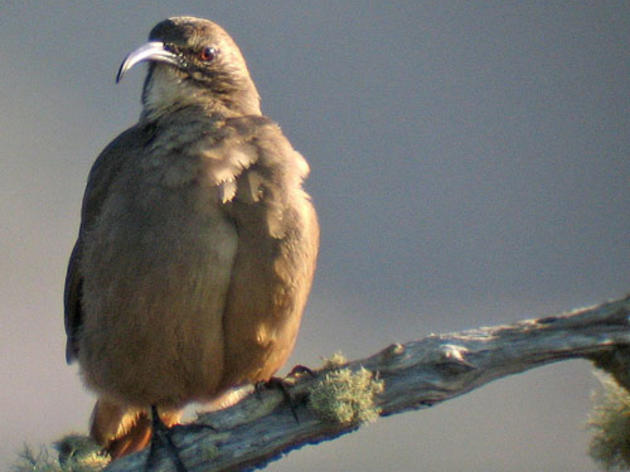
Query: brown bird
(197, 244)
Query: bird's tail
(121, 429)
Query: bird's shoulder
(247, 147)
(266, 190)
(275, 155)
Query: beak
(152, 51)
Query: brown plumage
(197, 243)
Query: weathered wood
(415, 375)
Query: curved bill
(152, 51)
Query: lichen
(76, 454)
(345, 396)
(610, 421)
(336, 360)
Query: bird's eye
(208, 53)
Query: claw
(301, 369)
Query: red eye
(208, 53)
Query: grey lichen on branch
(610, 422)
(401, 377)
(346, 397)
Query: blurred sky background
(470, 166)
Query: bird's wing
(278, 238)
(72, 303)
(103, 171)
(229, 152)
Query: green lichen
(29, 461)
(346, 397)
(334, 361)
(610, 421)
(76, 454)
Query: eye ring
(208, 53)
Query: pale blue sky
(470, 166)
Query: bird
(197, 244)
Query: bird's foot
(284, 385)
(301, 369)
(162, 434)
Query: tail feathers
(135, 439)
(121, 429)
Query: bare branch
(415, 375)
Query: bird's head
(193, 61)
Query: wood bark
(416, 375)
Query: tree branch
(401, 377)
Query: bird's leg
(283, 386)
(280, 384)
(162, 434)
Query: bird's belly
(156, 278)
